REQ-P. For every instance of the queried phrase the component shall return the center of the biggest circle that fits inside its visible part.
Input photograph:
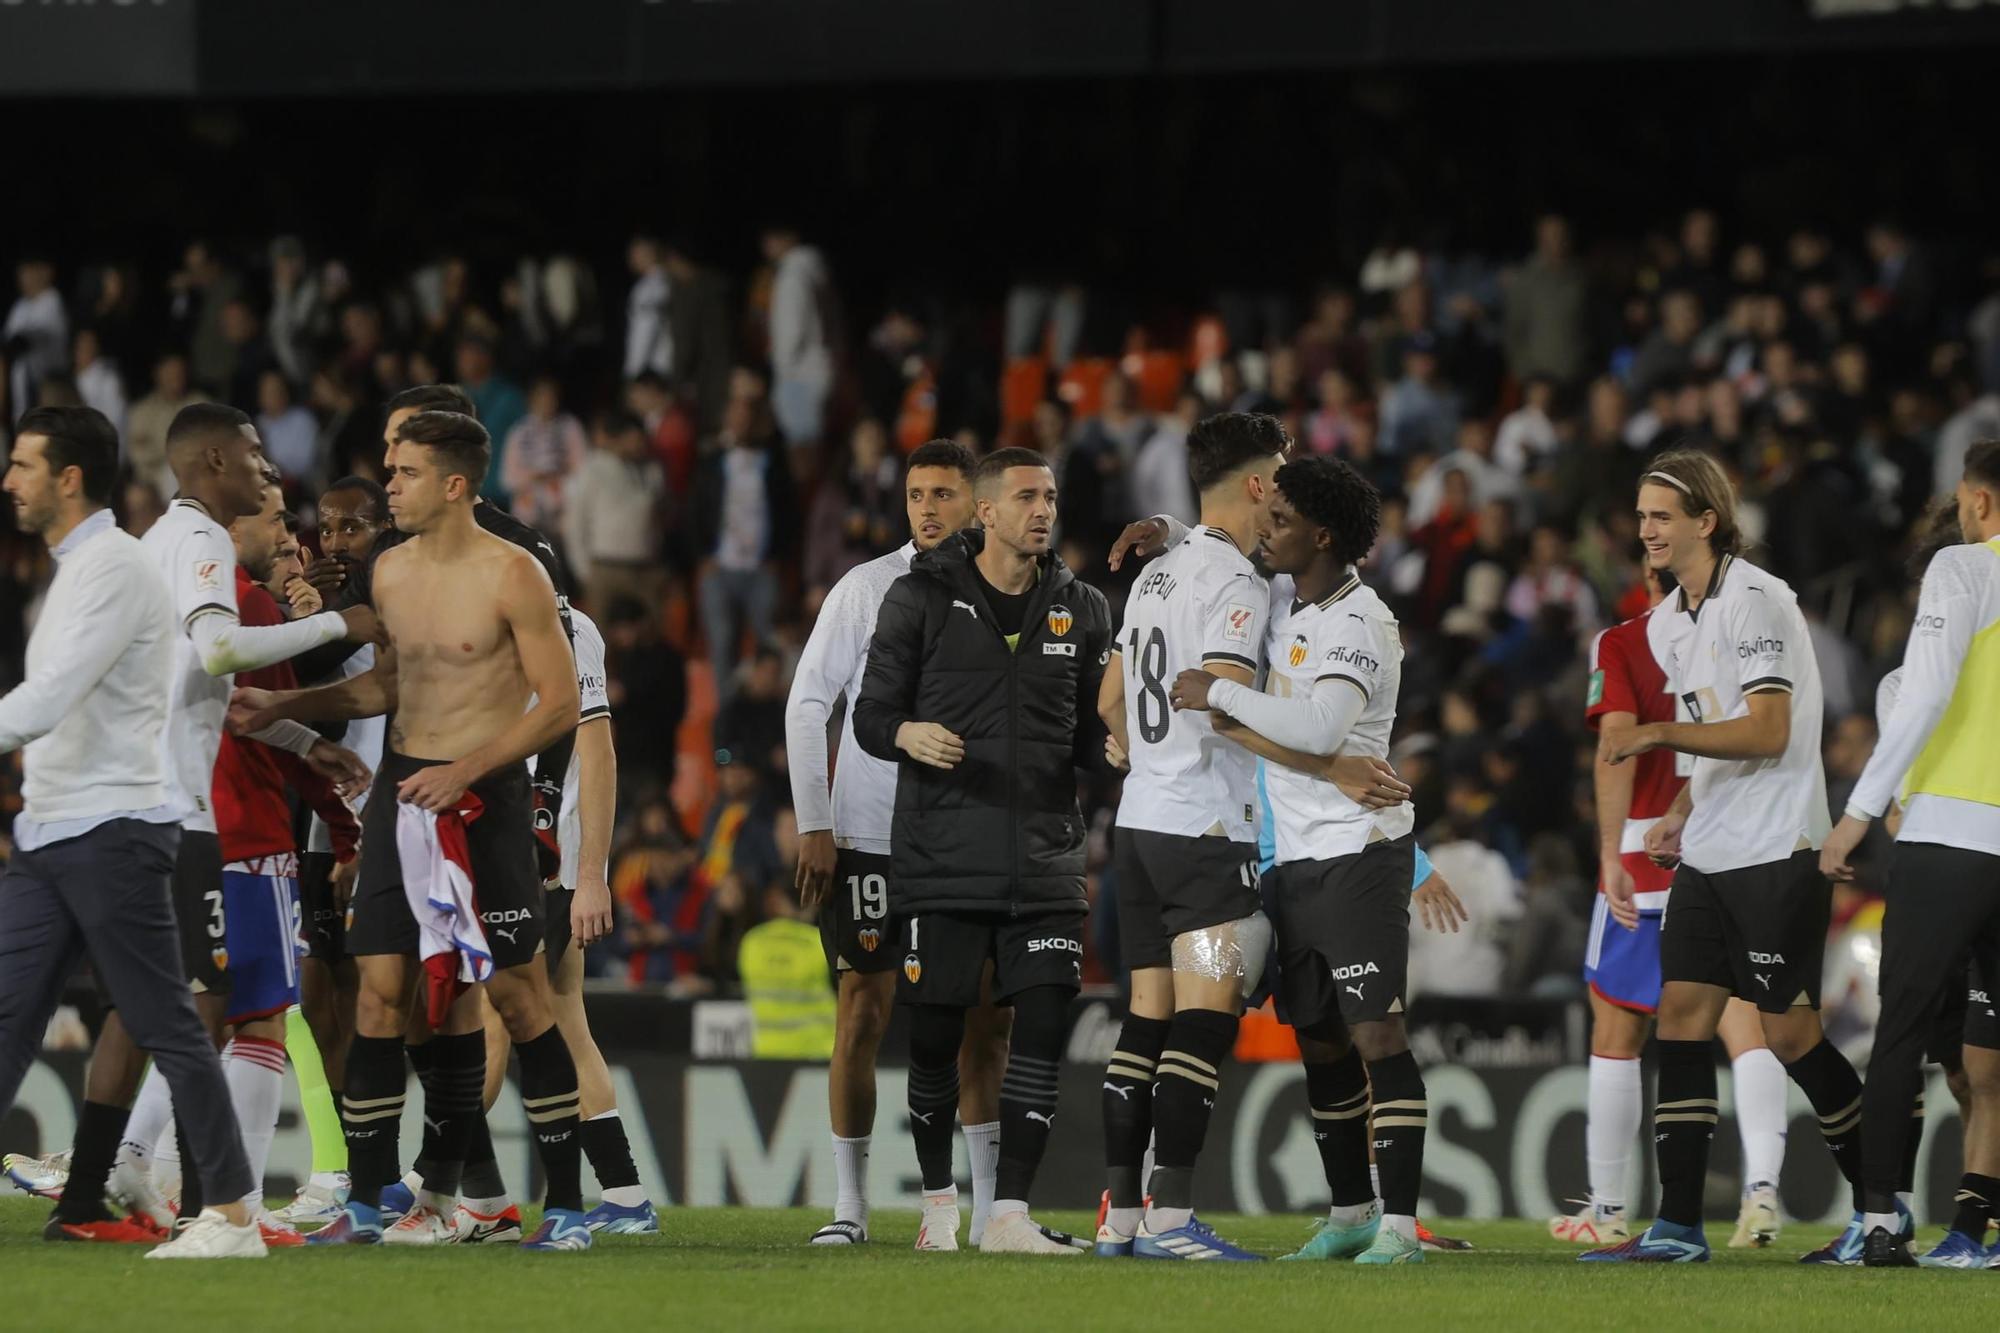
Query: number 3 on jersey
(1149, 664)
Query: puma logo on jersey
(970, 609)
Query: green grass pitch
(747, 1269)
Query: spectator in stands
(1420, 411)
(1545, 943)
(1667, 355)
(543, 451)
(736, 859)
(857, 513)
(1330, 341)
(751, 725)
(350, 431)
(146, 425)
(141, 506)
(202, 287)
(653, 889)
(98, 382)
(247, 355)
(499, 402)
(297, 320)
(613, 513)
(648, 692)
(289, 432)
(703, 328)
(649, 339)
(1551, 579)
(1527, 435)
(1545, 330)
(744, 519)
(803, 333)
(1471, 961)
(35, 338)
(1472, 455)
(670, 427)
(1160, 483)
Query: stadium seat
(1159, 376)
(1082, 385)
(1023, 386)
(917, 422)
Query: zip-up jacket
(1001, 833)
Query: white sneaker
(1591, 1226)
(213, 1236)
(422, 1225)
(43, 1177)
(131, 1188)
(319, 1201)
(1017, 1233)
(939, 1229)
(1759, 1222)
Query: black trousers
(107, 893)
(1943, 908)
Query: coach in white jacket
(95, 842)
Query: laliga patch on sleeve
(1596, 689)
(1236, 621)
(208, 575)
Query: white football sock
(1005, 1208)
(850, 1173)
(982, 1150)
(1761, 1086)
(255, 1069)
(1352, 1214)
(1375, 1181)
(152, 1116)
(1617, 1099)
(1400, 1223)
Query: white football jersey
(1352, 639)
(862, 802)
(1199, 604)
(1746, 637)
(194, 554)
(593, 701)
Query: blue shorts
(1623, 966)
(261, 907)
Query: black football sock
(1683, 1127)
(424, 1063)
(935, 1034)
(1028, 1089)
(1128, 1106)
(482, 1178)
(1400, 1122)
(1183, 1102)
(371, 1115)
(1834, 1089)
(549, 1095)
(610, 1153)
(453, 1099)
(95, 1150)
(1338, 1096)
(1977, 1198)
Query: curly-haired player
(1339, 893)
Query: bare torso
(459, 681)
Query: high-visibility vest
(1962, 758)
(791, 997)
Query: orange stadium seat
(1159, 376)
(1022, 388)
(1082, 385)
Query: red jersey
(1625, 678)
(252, 816)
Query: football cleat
(1845, 1250)
(131, 1187)
(1432, 1241)
(1196, 1241)
(397, 1199)
(1956, 1250)
(43, 1177)
(213, 1236)
(111, 1231)
(841, 1232)
(1661, 1243)
(1332, 1240)
(937, 1232)
(1111, 1243)
(1591, 1226)
(358, 1224)
(561, 1231)
(1759, 1222)
(422, 1225)
(617, 1220)
(1392, 1247)
(278, 1234)
(1885, 1250)
(1017, 1233)
(316, 1203)
(474, 1228)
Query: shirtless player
(474, 634)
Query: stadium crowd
(712, 453)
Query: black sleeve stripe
(1232, 658)
(1342, 675)
(204, 609)
(590, 713)
(1763, 683)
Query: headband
(1672, 481)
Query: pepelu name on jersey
(1759, 646)
(1354, 970)
(1157, 584)
(1353, 657)
(1061, 944)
